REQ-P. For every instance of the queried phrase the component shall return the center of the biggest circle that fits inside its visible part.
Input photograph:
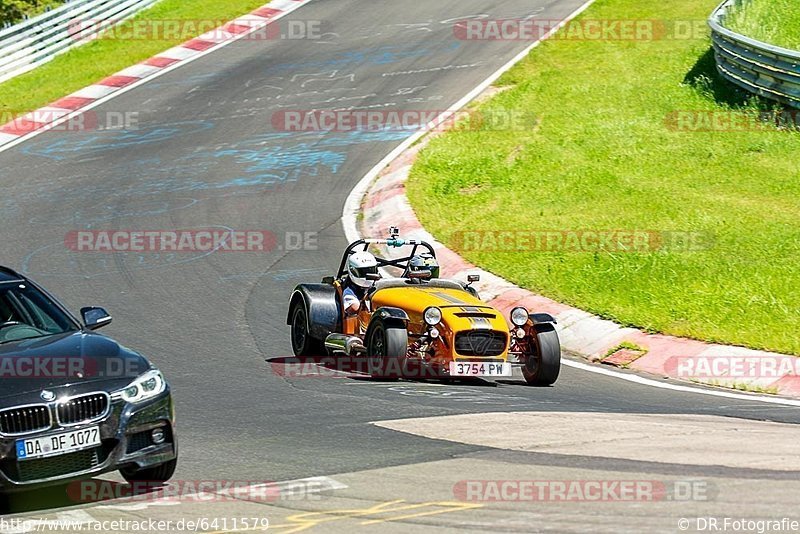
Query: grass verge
(772, 21)
(606, 156)
(95, 60)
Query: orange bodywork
(461, 312)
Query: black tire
(302, 342)
(544, 364)
(387, 346)
(159, 473)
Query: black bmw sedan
(74, 403)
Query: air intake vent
(25, 419)
(481, 343)
(83, 408)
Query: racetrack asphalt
(205, 154)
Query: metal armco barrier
(770, 71)
(28, 44)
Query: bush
(14, 11)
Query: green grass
(602, 158)
(772, 21)
(94, 61)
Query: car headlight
(519, 316)
(432, 316)
(146, 386)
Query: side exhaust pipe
(349, 345)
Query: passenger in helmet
(423, 262)
(359, 265)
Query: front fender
(322, 308)
(389, 313)
(542, 318)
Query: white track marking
(674, 387)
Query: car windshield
(26, 312)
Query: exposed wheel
(302, 342)
(387, 346)
(159, 473)
(544, 363)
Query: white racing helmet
(359, 265)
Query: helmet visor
(362, 272)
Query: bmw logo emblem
(47, 395)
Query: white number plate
(56, 444)
(480, 369)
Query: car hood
(460, 309)
(69, 360)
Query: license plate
(480, 369)
(56, 444)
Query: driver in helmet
(359, 265)
(421, 263)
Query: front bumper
(125, 442)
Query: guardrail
(770, 71)
(28, 44)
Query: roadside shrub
(13, 11)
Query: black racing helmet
(424, 262)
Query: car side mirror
(328, 280)
(471, 278)
(94, 317)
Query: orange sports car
(417, 323)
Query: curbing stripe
(95, 92)
(118, 80)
